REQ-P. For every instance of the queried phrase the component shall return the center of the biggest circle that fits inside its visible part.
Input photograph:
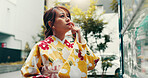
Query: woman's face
(62, 21)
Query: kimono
(60, 59)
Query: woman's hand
(75, 30)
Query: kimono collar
(62, 41)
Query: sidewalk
(15, 74)
(9, 68)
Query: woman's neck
(61, 36)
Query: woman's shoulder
(44, 44)
(48, 40)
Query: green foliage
(101, 46)
(40, 35)
(56, 2)
(93, 72)
(27, 48)
(114, 6)
(107, 62)
(91, 23)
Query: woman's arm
(92, 59)
(32, 64)
(75, 30)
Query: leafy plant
(40, 35)
(107, 62)
(27, 48)
(114, 6)
(92, 25)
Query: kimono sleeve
(32, 64)
(91, 58)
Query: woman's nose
(67, 19)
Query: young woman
(55, 57)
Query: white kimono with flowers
(59, 59)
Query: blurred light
(64, 0)
(3, 45)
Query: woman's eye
(68, 16)
(62, 16)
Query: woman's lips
(69, 23)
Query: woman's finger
(72, 24)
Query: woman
(55, 57)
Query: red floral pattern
(68, 44)
(80, 56)
(72, 45)
(95, 61)
(44, 45)
(49, 40)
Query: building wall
(106, 5)
(113, 47)
(135, 39)
(8, 12)
(11, 42)
(21, 19)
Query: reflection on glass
(135, 47)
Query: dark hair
(50, 15)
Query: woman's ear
(49, 23)
(53, 30)
(53, 27)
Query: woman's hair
(50, 15)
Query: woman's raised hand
(74, 30)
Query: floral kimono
(60, 59)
